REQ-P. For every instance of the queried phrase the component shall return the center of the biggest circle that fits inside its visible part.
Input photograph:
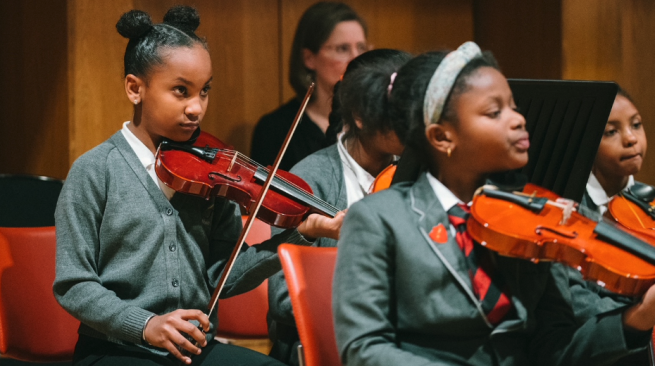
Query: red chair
(309, 272)
(244, 316)
(33, 326)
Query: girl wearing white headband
(410, 286)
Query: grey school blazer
(402, 299)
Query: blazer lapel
(431, 214)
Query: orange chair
(33, 327)
(309, 272)
(244, 316)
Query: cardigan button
(172, 247)
(175, 283)
(169, 211)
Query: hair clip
(393, 77)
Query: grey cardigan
(124, 252)
(323, 171)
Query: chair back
(244, 316)
(33, 326)
(309, 272)
(27, 200)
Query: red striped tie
(487, 283)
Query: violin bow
(255, 207)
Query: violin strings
(633, 212)
(308, 196)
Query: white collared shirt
(147, 159)
(358, 181)
(598, 195)
(445, 196)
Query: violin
(209, 168)
(634, 209)
(542, 227)
(383, 180)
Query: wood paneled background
(61, 69)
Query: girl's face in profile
(175, 94)
(490, 134)
(623, 146)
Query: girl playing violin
(412, 288)
(342, 173)
(620, 155)
(135, 261)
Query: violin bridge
(567, 209)
(234, 159)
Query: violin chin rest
(643, 192)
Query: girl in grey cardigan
(342, 173)
(135, 261)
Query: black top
(272, 129)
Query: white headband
(444, 78)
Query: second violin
(538, 228)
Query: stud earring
(136, 101)
(449, 152)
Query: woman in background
(328, 36)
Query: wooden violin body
(211, 168)
(635, 209)
(383, 180)
(537, 228)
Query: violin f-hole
(569, 235)
(212, 174)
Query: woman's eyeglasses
(346, 50)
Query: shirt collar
(146, 157)
(364, 178)
(444, 195)
(597, 193)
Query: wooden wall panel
(613, 40)
(524, 36)
(98, 104)
(33, 80)
(591, 39)
(245, 56)
(637, 39)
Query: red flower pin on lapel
(439, 234)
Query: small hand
(319, 226)
(641, 316)
(164, 331)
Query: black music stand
(566, 121)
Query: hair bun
(134, 24)
(183, 17)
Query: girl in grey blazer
(403, 293)
(619, 157)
